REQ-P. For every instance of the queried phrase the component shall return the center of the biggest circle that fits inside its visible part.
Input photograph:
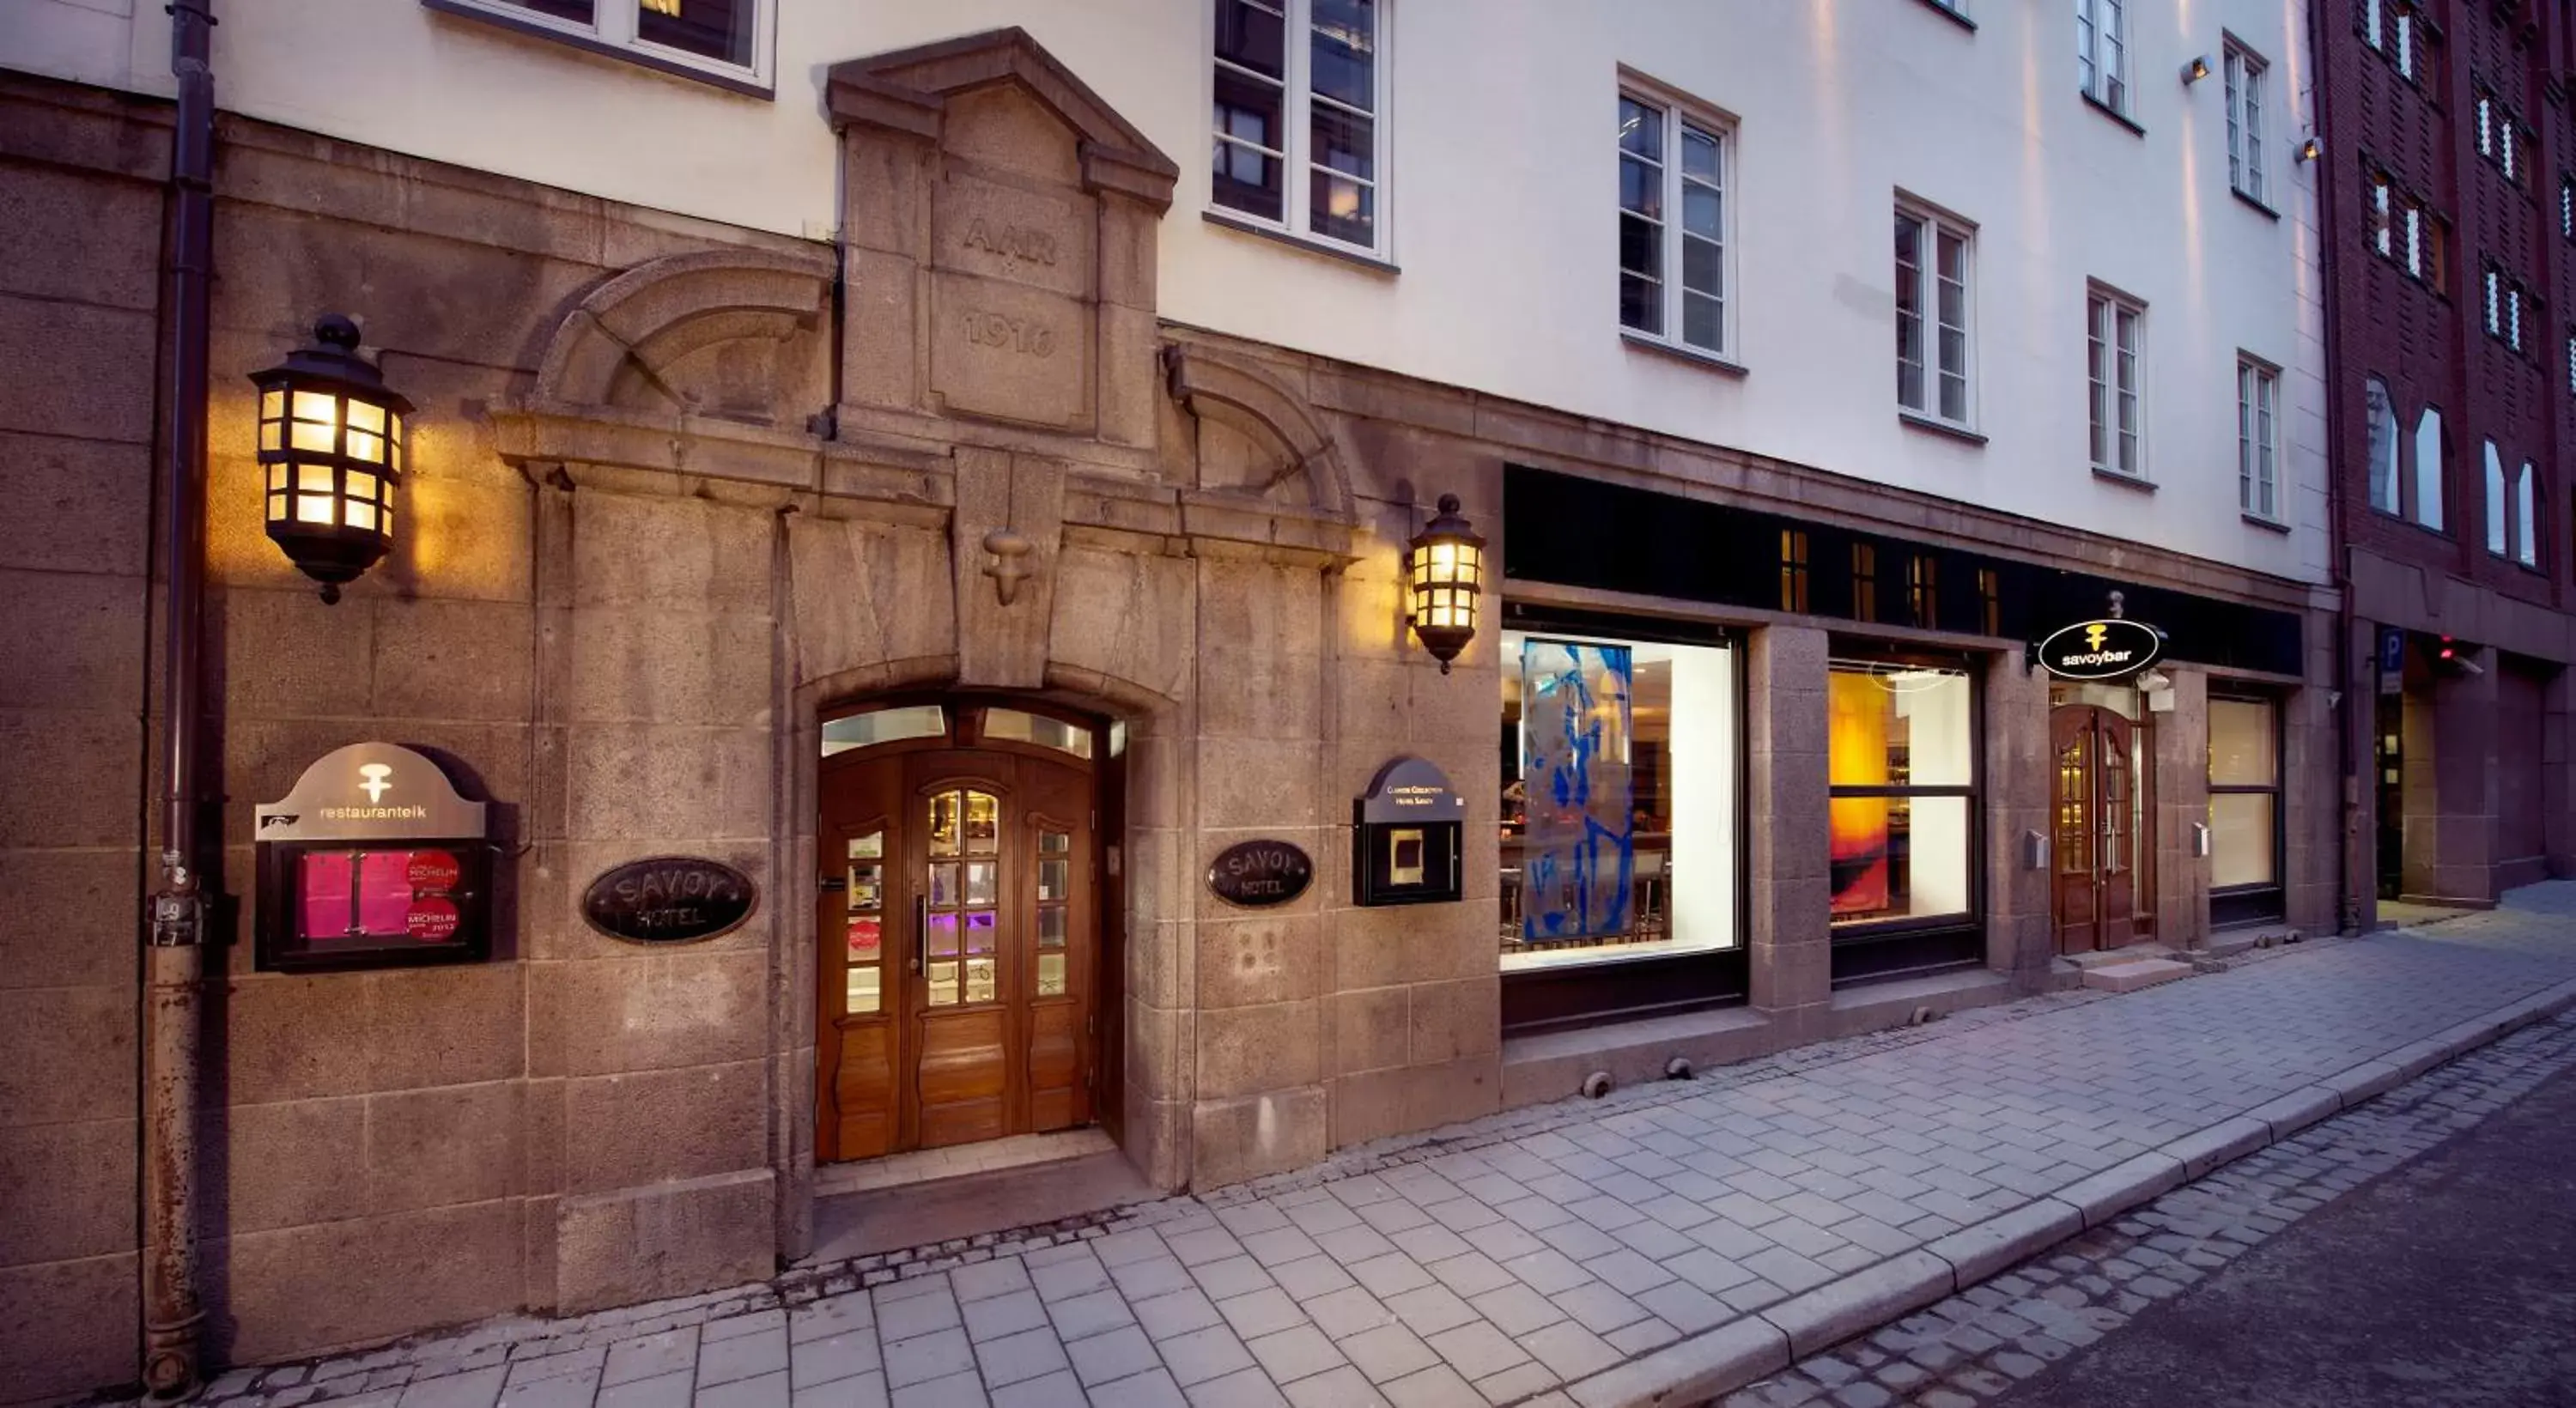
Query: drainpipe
(173, 1011)
(2352, 790)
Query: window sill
(1953, 16)
(2256, 203)
(1927, 424)
(2112, 113)
(2269, 524)
(2139, 482)
(1255, 228)
(1647, 342)
(742, 82)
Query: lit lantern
(331, 449)
(1444, 570)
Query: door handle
(920, 929)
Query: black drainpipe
(2352, 692)
(174, 1012)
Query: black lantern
(331, 447)
(1444, 568)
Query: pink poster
(323, 890)
(384, 894)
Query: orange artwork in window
(1856, 756)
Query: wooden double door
(2094, 823)
(958, 929)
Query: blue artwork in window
(1578, 854)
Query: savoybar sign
(2109, 649)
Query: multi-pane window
(2403, 228)
(1923, 589)
(2258, 395)
(2391, 27)
(1299, 143)
(1932, 316)
(1901, 767)
(2244, 808)
(1793, 570)
(2382, 412)
(727, 38)
(2429, 474)
(1672, 224)
(2500, 135)
(2567, 207)
(1990, 601)
(2245, 80)
(2507, 304)
(2113, 363)
(2526, 517)
(2496, 531)
(1864, 582)
(2102, 52)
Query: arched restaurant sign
(1258, 873)
(2110, 649)
(669, 900)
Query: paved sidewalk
(1684, 1236)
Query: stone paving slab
(1673, 1237)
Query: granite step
(2134, 974)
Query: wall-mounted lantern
(331, 449)
(1444, 568)
(2310, 149)
(2196, 70)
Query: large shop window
(2244, 811)
(1620, 794)
(1901, 746)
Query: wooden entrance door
(957, 924)
(2094, 825)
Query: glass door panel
(865, 892)
(961, 899)
(1055, 889)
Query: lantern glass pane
(277, 508)
(1444, 562)
(272, 435)
(313, 508)
(394, 424)
(366, 415)
(277, 476)
(362, 485)
(363, 446)
(395, 460)
(362, 515)
(314, 478)
(272, 405)
(320, 406)
(310, 435)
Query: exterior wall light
(1444, 568)
(2310, 150)
(331, 449)
(2195, 71)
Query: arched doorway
(2095, 823)
(958, 924)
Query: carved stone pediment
(999, 233)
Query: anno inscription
(1026, 337)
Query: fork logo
(2093, 635)
(375, 785)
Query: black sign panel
(1259, 873)
(669, 900)
(2101, 650)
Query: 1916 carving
(1025, 336)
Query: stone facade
(679, 491)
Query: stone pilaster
(2020, 772)
(1787, 784)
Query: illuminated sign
(2111, 649)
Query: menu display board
(1406, 834)
(372, 861)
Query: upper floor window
(2500, 136)
(1300, 90)
(2567, 207)
(1932, 316)
(1673, 245)
(2258, 400)
(2507, 303)
(2526, 516)
(2102, 52)
(723, 39)
(2403, 228)
(2495, 501)
(2246, 78)
(2381, 409)
(2114, 364)
(2393, 28)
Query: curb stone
(1864, 1300)
(1700, 1368)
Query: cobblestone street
(1678, 1236)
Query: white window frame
(2500, 136)
(2258, 438)
(2245, 75)
(2382, 446)
(2115, 373)
(1679, 115)
(616, 28)
(2504, 305)
(1297, 102)
(1931, 226)
(2102, 52)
